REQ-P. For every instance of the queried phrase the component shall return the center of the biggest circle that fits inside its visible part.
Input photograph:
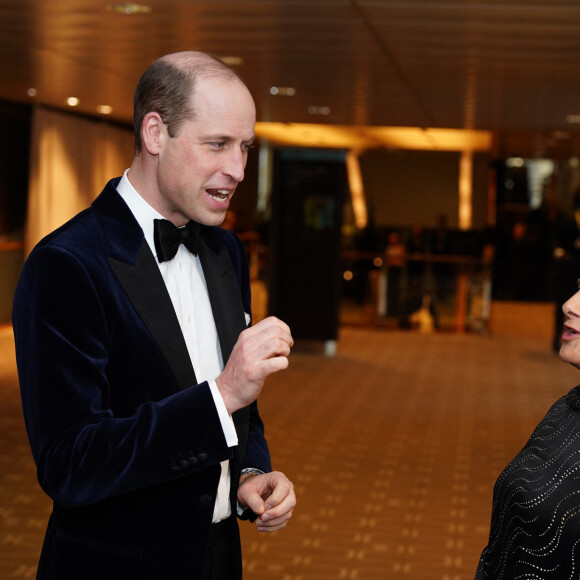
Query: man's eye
(248, 146)
(218, 145)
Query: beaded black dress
(535, 521)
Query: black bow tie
(168, 237)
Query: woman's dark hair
(167, 88)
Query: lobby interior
(398, 411)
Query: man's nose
(236, 166)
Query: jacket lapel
(138, 274)
(147, 292)
(224, 294)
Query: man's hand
(261, 350)
(271, 496)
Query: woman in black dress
(535, 522)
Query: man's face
(199, 169)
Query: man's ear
(153, 131)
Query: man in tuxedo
(138, 364)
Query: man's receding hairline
(199, 65)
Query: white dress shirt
(185, 282)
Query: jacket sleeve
(84, 451)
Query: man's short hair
(167, 87)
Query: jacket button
(205, 499)
(184, 464)
(202, 457)
(193, 461)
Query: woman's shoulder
(572, 399)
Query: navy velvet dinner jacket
(126, 443)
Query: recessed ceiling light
(573, 118)
(31, 92)
(283, 91)
(72, 101)
(515, 162)
(314, 110)
(128, 8)
(104, 109)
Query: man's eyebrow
(217, 137)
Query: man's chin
(213, 219)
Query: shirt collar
(143, 212)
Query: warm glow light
(515, 162)
(72, 101)
(358, 138)
(357, 194)
(104, 109)
(128, 8)
(465, 190)
(348, 275)
(31, 92)
(232, 60)
(368, 137)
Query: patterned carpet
(393, 444)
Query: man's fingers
(271, 328)
(256, 504)
(282, 491)
(273, 525)
(269, 366)
(272, 497)
(260, 350)
(277, 517)
(281, 500)
(265, 342)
